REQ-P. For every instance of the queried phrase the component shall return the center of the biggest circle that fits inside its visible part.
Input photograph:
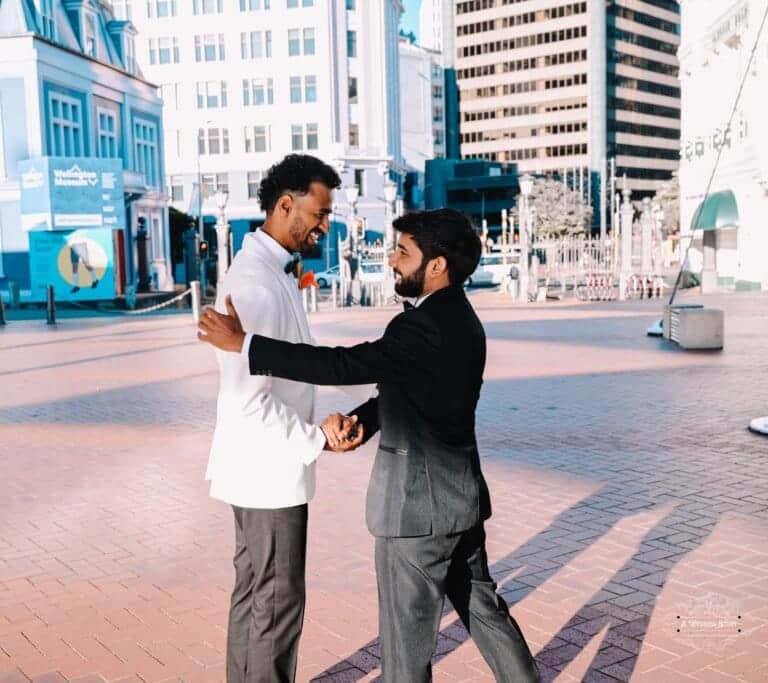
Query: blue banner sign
(63, 193)
(80, 264)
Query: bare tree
(667, 198)
(558, 211)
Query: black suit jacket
(429, 364)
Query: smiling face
(307, 216)
(407, 262)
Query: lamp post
(526, 186)
(390, 194)
(222, 236)
(352, 192)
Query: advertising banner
(80, 264)
(62, 193)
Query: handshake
(342, 433)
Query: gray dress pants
(267, 609)
(414, 576)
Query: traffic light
(203, 249)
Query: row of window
(641, 63)
(643, 108)
(211, 47)
(568, 57)
(566, 150)
(644, 19)
(67, 135)
(486, 136)
(214, 141)
(615, 34)
(565, 82)
(645, 86)
(522, 110)
(645, 152)
(545, 38)
(615, 126)
(479, 5)
(157, 9)
(561, 128)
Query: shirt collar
(422, 299)
(276, 250)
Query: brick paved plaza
(629, 532)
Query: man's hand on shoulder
(342, 433)
(225, 332)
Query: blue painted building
(81, 147)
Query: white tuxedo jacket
(265, 444)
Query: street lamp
(526, 187)
(222, 236)
(390, 194)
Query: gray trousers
(267, 609)
(414, 576)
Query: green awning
(716, 211)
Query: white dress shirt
(265, 443)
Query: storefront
(724, 169)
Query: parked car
(492, 269)
(326, 278)
(372, 272)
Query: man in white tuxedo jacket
(266, 442)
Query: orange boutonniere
(308, 280)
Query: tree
(558, 210)
(667, 198)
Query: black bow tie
(407, 306)
(294, 266)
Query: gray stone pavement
(630, 503)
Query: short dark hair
(295, 173)
(447, 233)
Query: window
(312, 136)
(164, 50)
(123, 10)
(360, 180)
(251, 5)
(213, 141)
(295, 89)
(292, 4)
(257, 91)
(350, 4)
(352, 90)
(161, 8)
(437, 114)
(351, 44)
(211, 94)
(256, 44)
(297, 138)
(107, 133)
(294, 44)
(254, 180)
(206, 6)
(170, 94)
(354, 135)
(130, 54)
(48, 20)
(145, 147)
(66, 126)
(309, 41)
(209, 48)
(310, 89)
(177, 188)
(256, 139)
(213, 183)
(89, 44)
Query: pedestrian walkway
(630, 502)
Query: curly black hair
(447, 233)
(294, 174)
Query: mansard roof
(20, 17)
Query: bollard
(333, 294)
(2, 311)
(195, 287)
(50, 306)
(313, 299)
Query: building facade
(724, 168)
(73, 105)
(572, 87)
(246, 82)
(422, 113)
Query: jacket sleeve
(368, 417)
(406, 350)
(270, 419)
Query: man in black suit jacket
(427, 498)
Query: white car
(492, 269)
(372, 272)
(326, 278)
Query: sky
(410, 19)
